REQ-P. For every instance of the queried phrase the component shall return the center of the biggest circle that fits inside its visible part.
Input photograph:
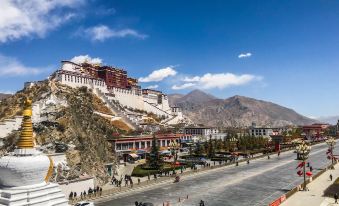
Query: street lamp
(303, 151)
(331, 142)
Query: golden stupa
(26, 140)
(24, 173)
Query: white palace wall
(76, 80)
(129, 98)
(71, 75)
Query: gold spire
(26, 136)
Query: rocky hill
(3, 96)
(236, 111)
(172, 98)
(71, 121)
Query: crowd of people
(128, 181)
(90, 193)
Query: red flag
(300, 165)
(300, 173)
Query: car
(83, 203)
(196, 160)
(147, 204)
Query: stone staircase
(159, 111)
(117, 109)
(49, 195)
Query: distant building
(315, 130)
(130, 143)
(203, 132)
(28, 85)
(263, 131)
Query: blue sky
(280, 51)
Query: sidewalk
(314, 197)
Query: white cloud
(102, 32)
(220, 81)
(22, 18)
(223, 80)
(184, 86)
(6, 92)
(191, 79)
(86, 58)
(158, 75)
(152, 86)
(11, 67)
(244, 55)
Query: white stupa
(24, 173)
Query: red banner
(278, 201)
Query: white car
(83, 203)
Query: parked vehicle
(147, 204)
(83, 203)
(193, 160)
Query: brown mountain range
(236, 111)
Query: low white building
(263, 131)
(203, 132)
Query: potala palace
(122, 94)
(118, 90)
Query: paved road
(256, 184)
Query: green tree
(211, 148)
(155, 159)
(199, 150)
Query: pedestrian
(100, 189)
(75, 195)
(71, 195)
(84, 194)
(90, 191)
(202, 203)
(136, 203)
(138, 181)
(131, 182)
(331, 177)
(149, 177)
(126, 182)
(336, 198)
(311, 168)
(248, 161)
